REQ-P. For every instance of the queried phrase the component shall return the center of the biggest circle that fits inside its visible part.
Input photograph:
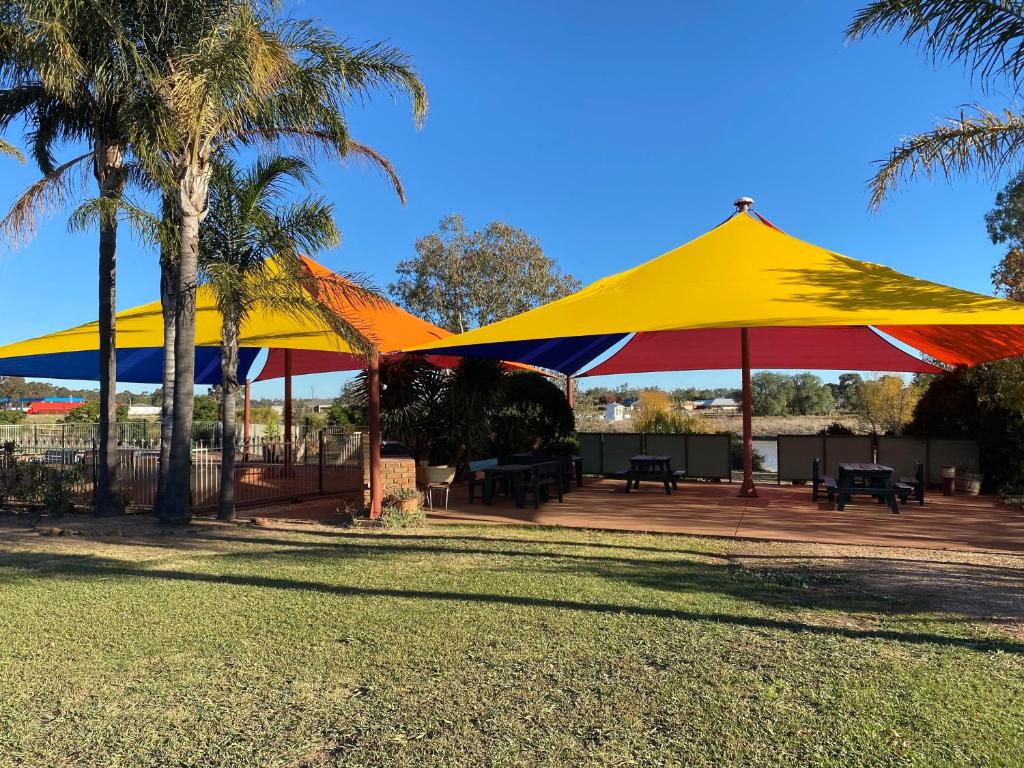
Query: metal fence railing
(327, 462)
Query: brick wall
(396, 472)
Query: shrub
(396, 517)
(836, 428)
(736, 454)
(59, 491)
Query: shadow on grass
(696, 577)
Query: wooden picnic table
(867, 479)
(513, 473)
(575, 462)
(647, 467)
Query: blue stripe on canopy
(565, 355)
(134, 366)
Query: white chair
(433, 479)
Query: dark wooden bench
(911, 486)
(542, 477)
(826, 481)
(476, 476)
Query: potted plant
(406, 499)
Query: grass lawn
(247, 646)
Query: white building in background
(137, 411)
(617, 412)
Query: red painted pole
(287, 437)
(747, 488)
(569, 394)
(247, 420)
(373, 384)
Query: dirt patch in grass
(979, 586)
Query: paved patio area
(781, 513)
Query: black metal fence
(327, 462)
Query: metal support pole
(247, 420)
(287, 437)
(569, 394)
(322, 447)
(747, 488)
(373, 383)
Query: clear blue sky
(612, 133)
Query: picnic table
(646, 467)
(512, 473)
(866, 479)
(575, 462)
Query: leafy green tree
(987, 37)
(771, 394)
(11, 417)
(810, 396)
(462, 279)
(253, 241)
(1005, 225)
(90, 413)
(206, 408)
(846, 392)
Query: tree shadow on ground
(689, 576)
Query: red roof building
(52, 408)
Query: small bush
(59, 491)
(396, 517)
(836, 428)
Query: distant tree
(90, 413)
(11, 417)
(810, 396)
(771, 394)
(206, 408)
(1005, 225)
(887, 403)
(462, 279)
(846, 392)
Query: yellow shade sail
(746, 273)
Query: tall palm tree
(253, 239)
(252, 80)
(64, 72)
(987, 37)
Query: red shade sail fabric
(842, 348)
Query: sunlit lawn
(479, 646)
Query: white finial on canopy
(743, 204)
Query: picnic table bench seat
(826, 481)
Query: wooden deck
(781, 513)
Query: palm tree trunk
(168, 294)
(229, 388)
(192, 198)
(109, 172)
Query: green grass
(479, 646)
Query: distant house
(321, 406)
(143, 410)
(59, 408)
(717, 405)
(617, 412)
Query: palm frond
(147, 228)
(11, 151)
(986, 143)
(987, 36)
(43, 198)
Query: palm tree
(251, 80)
(987, 36)
(251, 257)
(65, 74)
